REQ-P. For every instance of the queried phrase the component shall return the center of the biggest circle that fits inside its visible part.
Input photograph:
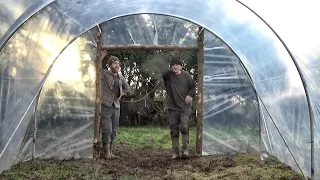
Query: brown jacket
(108, 96)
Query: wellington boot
(111, 151)
(107, 152)
(175, 147)
(185, 146)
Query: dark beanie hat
(175, 60)
(112, 59)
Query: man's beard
(114, 70)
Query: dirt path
(150, 163)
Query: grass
(239, 167)
(157, 137)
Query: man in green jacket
(180, 90)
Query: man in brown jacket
(180, 90)
(113, 86)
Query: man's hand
(104, 53)
(123, 94)
(188, 99)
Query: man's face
(115, 67)
(176, 68)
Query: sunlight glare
(66, 68)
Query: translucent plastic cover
(273, 74)
(14, 13)
(231, 113)
(303, 42)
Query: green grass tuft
(157, 137)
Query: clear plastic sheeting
(65, 111)
(303, 42)
(275, 78)
(149, 29)
(278, 85)
(274, 144)
(14, 13)
(310, 70)
(25, 62)
(231, 113)
(10, 11)
(10, 144)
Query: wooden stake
(200, 106)
(150, 47)
(98, 65)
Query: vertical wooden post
(200, 106)
(98, 65)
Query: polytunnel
(253, 50)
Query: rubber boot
(175, 147)
(107, 154)
(185, 146)
(111, 147)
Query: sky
(296, 21)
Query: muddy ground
(151, 163)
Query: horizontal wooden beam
(151, 47)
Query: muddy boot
(112, 147)
(175, 147)
(107, 154)
(185, 146)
